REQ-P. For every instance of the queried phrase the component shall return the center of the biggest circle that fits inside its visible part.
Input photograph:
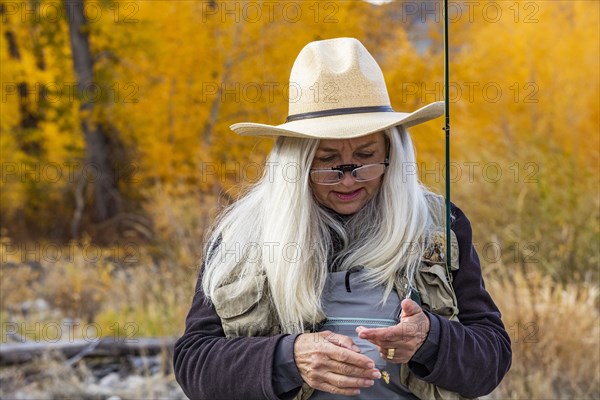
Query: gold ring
(390, 353)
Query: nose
(348, 179)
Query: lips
(348, 195)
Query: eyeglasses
(360, 173)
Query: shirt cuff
(286, 378)
(423, 361)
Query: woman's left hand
(405, 338)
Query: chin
(347, 209)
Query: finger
(350, 357)
(387, 334)
(400, 356)
(403, 340)
(383, 352)
(326, 380)
(362, 329)
(409, 308)
(397, 334)
(353, 371)
(342, 341)
(384, 355)
(345, 382)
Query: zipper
(377, 322)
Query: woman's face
(348, 196)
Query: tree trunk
(29, 117)
(107, 198)
(216, 104)
(76, 349)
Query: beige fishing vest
(252, 313)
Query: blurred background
(117, 154)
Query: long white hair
(278, 228)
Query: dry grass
(555, 337)
(141, 299)
(50, 378)
(554, 327)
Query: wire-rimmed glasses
(360, 173)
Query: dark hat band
(338, 111)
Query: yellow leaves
(529, 70)
(524, 89)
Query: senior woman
(327, 279)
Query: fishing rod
(447, 131)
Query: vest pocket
(246, 313)
(436, 292)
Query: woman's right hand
(332, 363)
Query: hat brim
(345, 126)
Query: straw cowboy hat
(337, 91)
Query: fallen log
(75, 350)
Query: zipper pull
(414, 295)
